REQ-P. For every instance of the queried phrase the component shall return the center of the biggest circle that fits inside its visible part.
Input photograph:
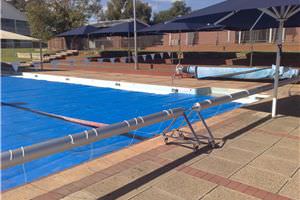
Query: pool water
(104, 105)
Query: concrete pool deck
(258, 157)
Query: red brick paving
(233, 185)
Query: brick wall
(201, 41)
(292, 35)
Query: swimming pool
(104, 105)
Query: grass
(10, 54)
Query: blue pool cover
(105, 105)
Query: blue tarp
(81, 31)
(105, 105)
(123, 29)
(245, 14)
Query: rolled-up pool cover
(254, 73)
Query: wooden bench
(36, 56)
(24, 55)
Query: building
(89, 41)
(60, 43)
(259, 40)
(221, 41)
(13, 20)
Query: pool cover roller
(253, 73)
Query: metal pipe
(135, 36)
(25, 154)
(238, 95)
(252, 42)
(41, 55)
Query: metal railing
(25, 154)
(21, 155)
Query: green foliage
(123, 9)
(50, 17)
(178, 8)
(90, 8)
(40, 19)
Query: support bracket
(182, 137)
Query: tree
(123, 9)
(90, 8)
(40, 19)
(50, 17)
(178, 8)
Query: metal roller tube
(25, 154)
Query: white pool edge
(141, 87)
(120, 85)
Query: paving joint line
(295, 172)
(238, 170)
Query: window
(22, 27)
(191, 38)
(8, 25)
(15, 26)
(256, 37)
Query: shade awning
(176, 27)
(80, 31)
(5, 35)
(123, 29)
(247, 14)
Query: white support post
(41, 54)
(252, 42)
(187, 39)
(228, 36)
(283, 35)
(278, 58)
(135, 37)
(240, 37)
(270, 35)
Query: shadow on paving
(176, 163)
(289, 106)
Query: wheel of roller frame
(212, 145)
(166, 140)
(195, 147)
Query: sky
(158, 5)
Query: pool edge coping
(142, 87)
